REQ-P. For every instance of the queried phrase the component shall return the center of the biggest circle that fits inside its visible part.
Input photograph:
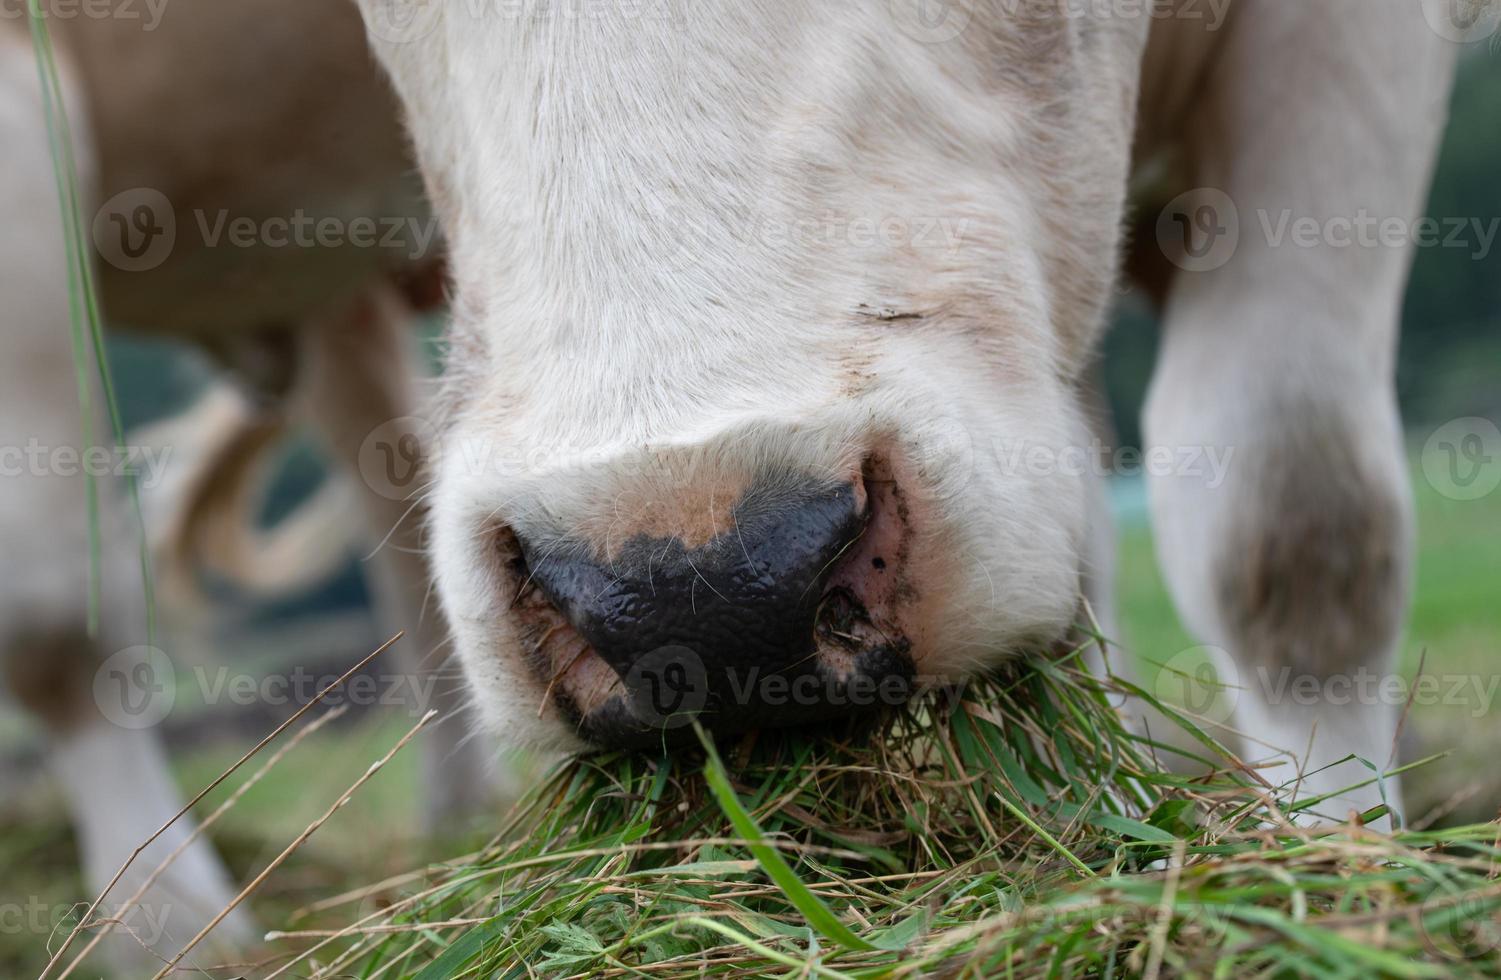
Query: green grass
(1019, 832)
(86, 326)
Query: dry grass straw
(1015, 828)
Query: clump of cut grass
(1014, 828)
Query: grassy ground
(1021, 833)
(995, 856)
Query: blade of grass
(776, 867)
(57, 138)
(87, 330)
(214, 784)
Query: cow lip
(616, 722)
(597, 702)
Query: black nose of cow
(708, 631)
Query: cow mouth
(860, 660)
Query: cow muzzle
(766, 624)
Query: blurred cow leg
(360, 371)
(104, 748)
(1280, 351)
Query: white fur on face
(767, 237)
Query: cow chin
(778, 572)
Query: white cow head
(756, 307)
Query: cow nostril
(844, 622)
